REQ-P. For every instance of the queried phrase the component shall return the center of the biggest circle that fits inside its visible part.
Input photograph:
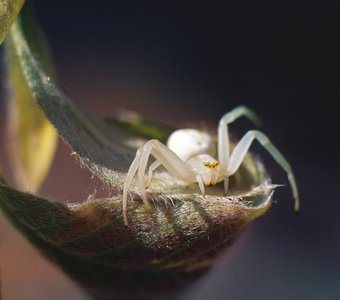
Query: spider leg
(243, 146)
(200, 184)
(147, 148)
(152, 168)
(164, 156)
(171, 161)
(130, 174)
(223, 150)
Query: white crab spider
(189, 156)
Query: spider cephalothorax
(190, 156)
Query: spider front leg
(164, 156)
(242, 148)
(223, 150)
(128, 180)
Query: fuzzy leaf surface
(158, 254)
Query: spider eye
(211, 164)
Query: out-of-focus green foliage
(9, 10)
(31, 138)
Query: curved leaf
(8, 13)
(158, 253)
(162, 250)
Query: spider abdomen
(187, 143)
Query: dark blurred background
(189, 62)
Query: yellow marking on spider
(210, 164)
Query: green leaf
(158, 252)
(8, 13)
(135, 125)
(32, 139)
